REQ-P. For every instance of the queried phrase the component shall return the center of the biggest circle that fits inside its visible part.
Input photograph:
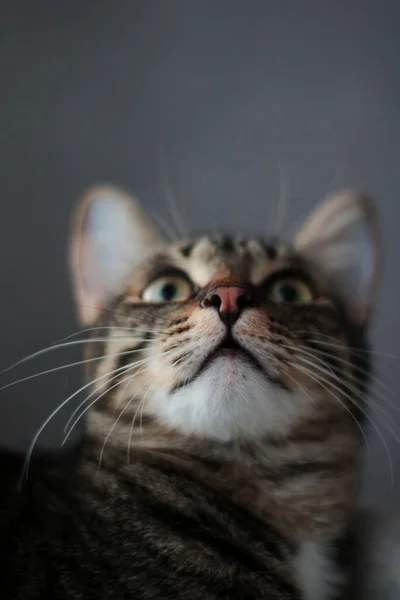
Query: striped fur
(198, 478)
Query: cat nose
(229, 301)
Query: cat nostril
(214, 301)
(243, 301)
(229, 301)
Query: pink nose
(228, 300)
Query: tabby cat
(227, 378)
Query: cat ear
(110, 236)
(341, 238)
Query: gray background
(233, 92)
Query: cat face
(224, 337)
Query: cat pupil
(168, 291)
(288, 293)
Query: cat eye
(168, 288)
(291, 290)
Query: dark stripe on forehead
(187, 249)
(226, 244)
(270, 249)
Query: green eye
(293, 291)
(170, 288)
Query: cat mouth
(229, 349)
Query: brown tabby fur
(270, 471)
(150, 511)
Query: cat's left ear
(110, 237)
(341, 239)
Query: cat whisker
(321, 380)
(66, 345)
(298, 384)
(67, 366)
(141, 411)
(378, 409)
(335, 344)
(68, 433)
(109, 311)
(97, 398)
(141, 404)
(114, 426)
(138, 363)
(362, 371)
(55, 412)
(360, 351)
(93, 393)
(110, 328)
(340, 380)
(169, 231)
(171, 198)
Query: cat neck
(308, 482)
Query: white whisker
(170, 197)
(66, 345)
(359, 369)
(54, 413)
(137, 363)
(67, 366)
(97, 398)
(115, 424)
(141, 404)
(319, 379)
(165, 226)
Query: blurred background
(246, 100)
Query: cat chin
(231, 400)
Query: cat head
(224, 337)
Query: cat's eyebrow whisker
(319, 379)
(67, 345)
(170, 232)
(170, 198)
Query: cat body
(227, 381)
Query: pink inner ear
(111, 234)
(91, 301)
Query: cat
(227, 380)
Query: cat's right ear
(341, 239)
(110, 236)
